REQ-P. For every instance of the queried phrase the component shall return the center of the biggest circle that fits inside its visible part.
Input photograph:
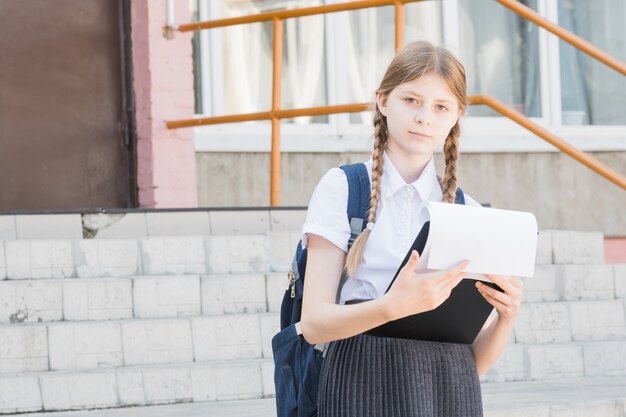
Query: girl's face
(420, 114)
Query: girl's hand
(507, 303)
(413, 293)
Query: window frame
(481, 134)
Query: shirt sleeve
(326, 215)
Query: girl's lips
(419, 134)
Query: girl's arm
(323, 320)
(491, 342)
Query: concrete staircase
(123, 310)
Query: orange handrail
(276, 114)
(578, 42)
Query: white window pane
(591, 92)
(371, 46)
(499, 50)
(247, 60)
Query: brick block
(7, 227)
(239, 222)
(270, 325)
(107, 258)
(226, 337)
(39, 259)
(544, 286)
(97, 299)
(31, 301)
(543, 323)
(166, 296)
(130, 387)
(85, 345)
(619, 271)
(605, 358)
(287, 220)
(119, 226)
(23, 349)
(233, 294)
(3, 262)
(178, 223)
(164, 385)
(544, 248)
(203, 383)
(157, 341)
(173, 255)
(49, 226)
(267, 374)
(597, 320)
(82, 390)
(238, 381)
(554, 361)
(587, 282)
(19, 394)
(236, 254)
(570, 247)
(282, 249)
(586, 409)
(275, 285)
(509, 367)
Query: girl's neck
(410, 167)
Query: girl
(417, 109)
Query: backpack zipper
(292, 283)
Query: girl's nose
(423, 116)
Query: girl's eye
(409, 98)
(441, 107)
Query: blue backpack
(297, 363)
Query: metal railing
(276, 113)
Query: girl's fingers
(496, 303)
(502, 297)
(501, 282)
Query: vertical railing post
(399, 8)
(277, 71)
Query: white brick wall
(509, 367)
(97, 299)
(169, 296)
(270, 325)
(587, 282)
(544, 248)
(157, 341)
(620, 280)
(287, 220)
(239, 222)
(130, 225)
(554, 361)
(130, 387)
(107, 258)
(276, 284)
(267, 373)
(7, 227)
(31, 301)
(82, 390)
(19, 394)
(3, 263)
(243, 380)
(167, 385)
(49, 226)
(39, 259)
(544, 285)
(23, 348)
(233, 294)
(570, 247)
(238, 254)
(172, 255)
(282, 249)
(85, 345)
(597, 320)
(543, 323)
(605, 358)
(178, 223)
(226, 337)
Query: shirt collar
(392, 181)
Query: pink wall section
(163, 83)
(615, 250)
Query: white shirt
(397, 223)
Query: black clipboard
(458, 320)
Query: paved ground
(597, 396)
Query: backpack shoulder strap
(359, 192)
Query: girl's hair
(411, 62)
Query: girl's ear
(381, 102)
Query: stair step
(579, 397)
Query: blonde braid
(451, 157)
(355, 255)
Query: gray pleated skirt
(370, 376)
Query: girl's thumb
(414, 257)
